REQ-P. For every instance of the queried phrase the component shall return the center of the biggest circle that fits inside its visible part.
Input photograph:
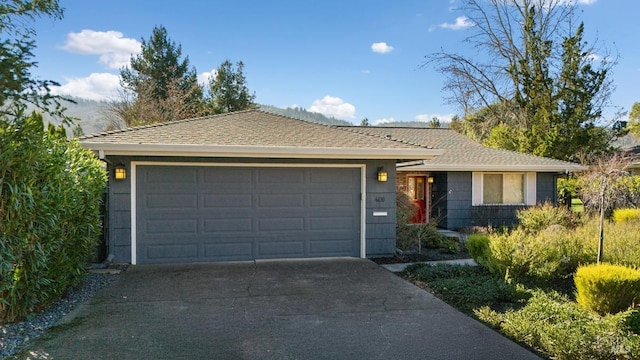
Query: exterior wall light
(430, 179)
(382, 175)
(120, 172)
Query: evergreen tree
(634, 120)
(228, 90)
(164, 85)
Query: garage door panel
(267, 248)
(330, 248)
(162, 253)
(279, 177)
(227, 201)
(331, 223)
(166, 226)
(281, 224)
(281, 200)
(221, 175)
(328, 176)
(165, 174)
(233, 249)
(239, 225)
(332, 200)
(172, 201)
(238, 213)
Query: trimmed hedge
(50, 195)
(606, 288)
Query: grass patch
(467, 287)
(538, 314)
(577, 206)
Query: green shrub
(606, 288)
(538, 218)
(561, 329)
(624, 215)
(547, 255)
(418, 236)
(50, 194)
(479, 249)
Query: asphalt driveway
(317, 309)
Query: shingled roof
(252, 133)
(464, 154)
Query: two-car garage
(249, 185)
(186, 212)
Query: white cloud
(381, 48)
(583, 2)
(366, 71)
(383, 121)
(115, 50)
(594, 57)
(333, 106)
(442, 117)
(203, 78)
(97, 86)
(462, 22)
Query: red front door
(417, 189)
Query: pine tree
(164, 84)
(228, 90)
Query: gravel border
(15, 336)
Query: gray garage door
(210, 213)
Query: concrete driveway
(317, 309)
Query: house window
(506, 188)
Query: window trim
(478, 187)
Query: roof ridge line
(527, 154)
(293, 118)
(388, 137)
(149, 126)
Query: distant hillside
(416, 124)
(92, 115)
(89, 114)
(302, 114)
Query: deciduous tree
(536, 78)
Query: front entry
(417, 189)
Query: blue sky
(348, 59)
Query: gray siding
(119, 241)
(459, 200)
(380, 197)
(439, 195)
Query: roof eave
(131, 149)
(568, 168)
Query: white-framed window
(504, 188)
